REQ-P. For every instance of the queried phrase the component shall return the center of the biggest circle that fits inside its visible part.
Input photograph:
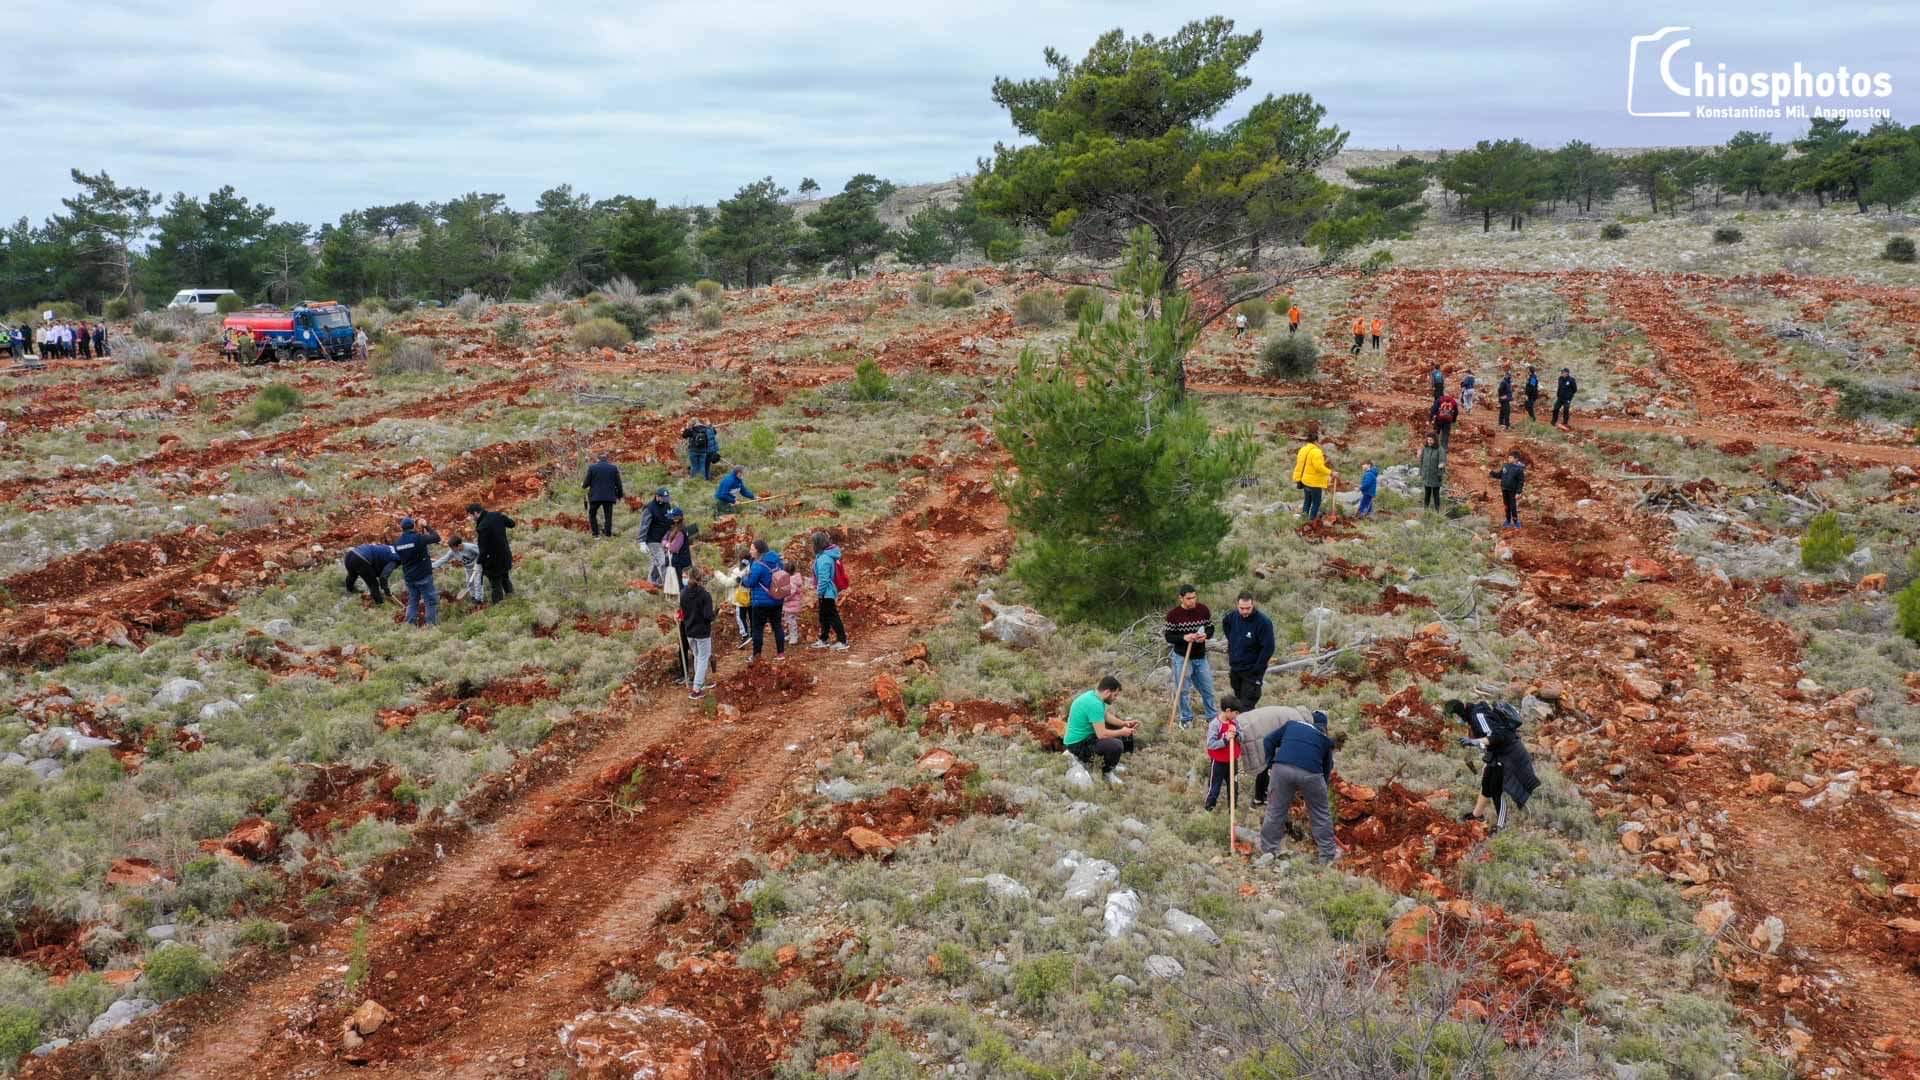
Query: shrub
(1003, 250)
(1899, 249)
(1799, 264)
(1825, 543)
(229, 303)
(274, 401)
(709, 289)
(1245, 283)
(622, 290)
(1803, 235)
(843, 500)
(1613, 230)
(1700, 217)
(1040, 981)
(1294, 357)
(510, 332)
(1041, 307)
(138, 358)
(683, 298)
(601, 333)
(19, 1032)
(468, 305)
(709, 316)
(870, 383)
(1727, 234)
(958, 296)
(399, 304)
(923, 290)
(1256, 312)
(631, 314)
(407, 356)
(178, 970)
(1078, 298)
(119, 308)
(550, 295)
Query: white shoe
(839, 646)
(1113, 781)
(1119, 768)
(819, 645)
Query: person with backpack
(1506, 766)
(1512, 477)
(1563, 392)
(1433, 473)
(1250, 645)
(603, 489)
(656, 519)
(1533, 392)
(1505, 396)
(1468, 383)
(696, 628)
(829, 582)
(410, 550)
(765, 610)
(703, 448)
(1438, 382)
(1300, 760)
(1445, 412)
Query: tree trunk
(1486, 220)
(1653, 192)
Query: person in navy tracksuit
(1250, 645)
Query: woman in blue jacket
(826, 564)
(766, 606)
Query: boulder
(1006, 888)
(135, 874)
(1190, 926)
(653, 1041)
(1164, 967)
(1123, 911)
(892, 702)
(1641, 686)
(868, 842)
(1873, 583)
(368, 1018)
(216, 709)
(1412, 936)
(59, 741)
(119, 1015)
(255, 838)
(278, 628)
(1078, 777)
(1089, 879)
(936, 762)
(1014, 625)
(163, 931)
(1767, 935)
(1714, 917)
(177, 690)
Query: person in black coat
(696, 629)
(496, 551)
(1512, 477)
(603, 489)
(1507, 767)
(1250, 644)
(1533, 391)
(1505, 395)
(1563, 392)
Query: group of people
(487, 560)
(1447, 409)
(58, 340)
(1360, 333)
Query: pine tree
(753, 234)
(1118, 476)
(928, 238)
(648, 244)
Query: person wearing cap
(655, 519)
(1300, 757)
(603, 489)
(410, 550)
(496, 551)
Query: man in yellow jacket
(1310, 473)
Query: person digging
(1300, 756)
(1506, 766)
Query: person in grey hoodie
(1433, 472)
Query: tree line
(1121, 140)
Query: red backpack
(1449, 410)
(840, 579)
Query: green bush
(229, 303)
(1859, 399)
(510, 332)
(1078, 298)
(19, 1032)
(1042, 307)
(1244, 282)
(1349, 914)
(1003, 250)
(601, 333)
(1256, 312)
(709, 289)
(1899, 249)
(178, 970)
(1825, 544)
(923, 290)
(958, 296)
(843, 500)
(683, 298)
(274, 401)
(1907, 610)
(1727, 234)
(709, 316)
(141, 359)
(1038, 981)
(870, 383)
(1613, 230)
(632, 315)
(406, 356)
(1294, 357)
(119, 308)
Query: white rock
(1189, 926)
(1861, 557)
(163, 931)
(1006, 888)
(217, 709)
(1077, 809)
(1769, 935)
(837, 790)
(177, 690)
(1164, 967)
(1014, 625)
(1123, 910)
(1124, 983)
(46, 769)
(1089, 879)
(119, 1015)
(1133, 826)
(105, 461)
(278, 627)
(1079, 778)
(46, 1048)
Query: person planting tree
(1506, 766)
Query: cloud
(316, 108)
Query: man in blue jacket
(373, 564)
(733, 487)
(603, 489)
(766, 604)
(1249, 635)
(1300, 753)
(416, 569)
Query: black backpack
(1505, 718)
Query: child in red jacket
(1223, 746)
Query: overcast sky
(317, 108)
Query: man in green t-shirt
(1088, 732)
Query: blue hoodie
(823, 567)
(732, 487)
(1370, 481)
(760, 580)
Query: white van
(200, 300)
